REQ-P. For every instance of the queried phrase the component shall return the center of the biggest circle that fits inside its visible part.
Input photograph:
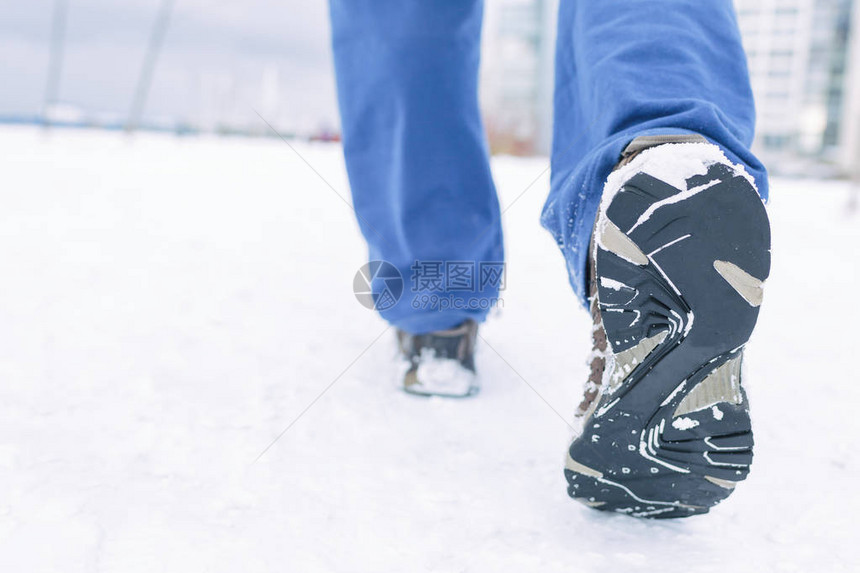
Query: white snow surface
(171, 306)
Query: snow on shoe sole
(417, 390)
(440, 363)
(679, 272)
(446, 380)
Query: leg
(681, 248)
(631, 68)
(407, 74)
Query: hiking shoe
(680, 251)
(440, 363)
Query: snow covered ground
(169, 306)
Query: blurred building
(849, 157)
(804, 65)
(799, 54)
(517, 74)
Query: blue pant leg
(626, 68)
(416, 153)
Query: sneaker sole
(680, 276)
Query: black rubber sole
(679, 277)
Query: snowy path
(169, 306)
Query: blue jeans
(416, 152)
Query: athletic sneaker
(440, 363)
(680, 251)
